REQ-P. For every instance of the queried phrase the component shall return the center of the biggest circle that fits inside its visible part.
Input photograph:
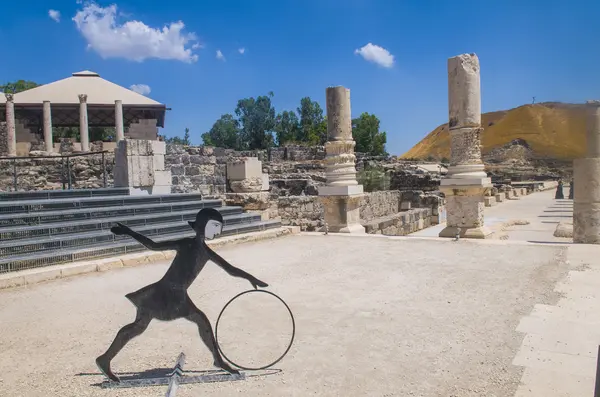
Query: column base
(465, 207)
(480, 232)
(342, 214)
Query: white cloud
(220, 55)
(140, 88)
(54, 15)
(241, 50)
(133, 40)
(376, 54)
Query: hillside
(548, 130)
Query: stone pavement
(560, 347)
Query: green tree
(311, 122)
(177, 140)
(224, 133)
(257, 122)
(365, 131)
(18, 86)
(287, 127)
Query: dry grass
(552, 130)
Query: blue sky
(548, 49)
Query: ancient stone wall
(196, 169)
(296, 153)
(380, 212)
(50, 173)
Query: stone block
(265, 182)
(249, 201)
(161, 189)
(244, 168)
(342, 214)
(586, 222)
(500, 197)
(340, 190)
(162, 178)
(465, 213)
(248, 185)
(405, 205)
(564, 229)
(158, 162)
(489, 201)
(159, 147)
(140, 170)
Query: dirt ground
(374, 316)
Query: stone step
(11, 248)
(16, 233)
(17, 219)
(114, 248)
(54, 194)
(37, 206)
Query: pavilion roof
(66, 92)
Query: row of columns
(47, 126)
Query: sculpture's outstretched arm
(232, 270)
(121, 229)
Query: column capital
(9, 97)
(82, 98)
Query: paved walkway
(375, 315)
(540, 209)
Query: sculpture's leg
(124, 335)
(207, 336)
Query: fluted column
(120, 131)
(83, 123)
(586, 174)
(11, 133)
(466, 182)
(48, 142)
(342, 194)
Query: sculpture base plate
(481, 232)
(174, 379)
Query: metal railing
(65, 164)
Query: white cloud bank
(220, 55)
(241, 50)
(54, 15)
(140, 88)
(133, 40)
(376, 54)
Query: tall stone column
(342, 194)
(83, 123)
(11, 132)
(466, 182)
(48, 142)
(586, 174)
(119, 120)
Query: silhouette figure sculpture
(571, 190)
(167, 299)
(559, 191)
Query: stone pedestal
(466, 182)
(341, 196)
(140, 166)
(342, 214)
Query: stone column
(11, 131)
(586, 172)
(83, 123)
(48, 142)
(119, 120)
(341, 196)
(466, 183)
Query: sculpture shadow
(165, 372)
(555, 216)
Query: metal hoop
(286, 350)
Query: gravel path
(375, 317)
